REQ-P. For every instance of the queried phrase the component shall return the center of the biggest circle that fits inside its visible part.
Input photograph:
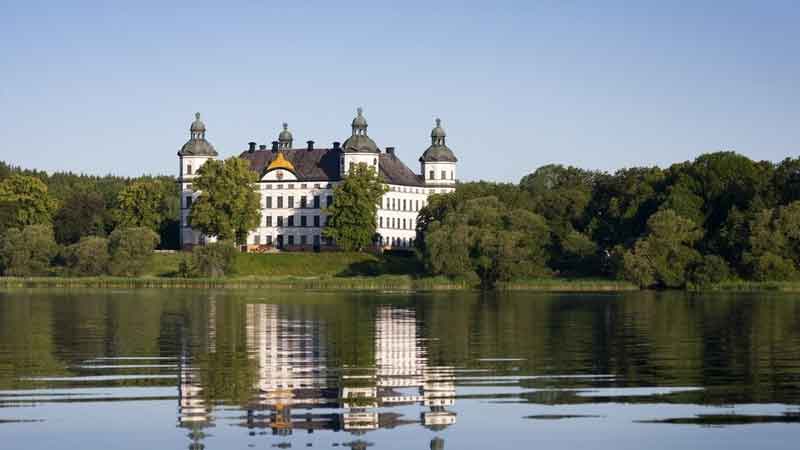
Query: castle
(295, 185)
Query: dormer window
(188, 169)
(430, 175)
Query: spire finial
(285, 126)
(197, 115)
(438, 122)
(360, 110)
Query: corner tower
(438, 163)
(359, 147)
(194, 153)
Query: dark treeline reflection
(269, 352)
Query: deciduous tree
(351, 218)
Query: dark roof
(322, 164)
(198, 147)
(438, 153)
(319, 164)
(396, 172)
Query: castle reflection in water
(296, 389)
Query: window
(380, 222)
(280, 221)
(268, 221)
(404, 224)
(394, 204)
(404, 204)
(269, 239)
(291, 240)
(188, 170)
(269, 202)
(291, 221)
(303, 186)
(280, 201)
(329, 200)
(257, 240)
(451, 174)
(416, 205)
(303, 201)
(188, 201)
(316, 186)
(303, 240)
(351, 166)
(316, 202)
(290, 201)
(303, 222)
(430, 175)
(291, 186)
(316, 221)
(316, 240)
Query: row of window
(396, 223)
(291, 186)
(280, 240)
(290, 203)
(397, 242)
(290, 221)
(432, 175)
(396, 204)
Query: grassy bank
(755, 286)
(330, 271)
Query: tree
(83, 213)
(130, 250)
(774, 252)
(24, 201)
(140, 204)
(213, 260)
(89, 257)
(486, 238)
(227, 206)
(27, 252)
(663, 257)
(351, 218)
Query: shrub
(711, 269)
(212, 260)
(89, 257)
(27, 252)
(130, 250)
(771, 267)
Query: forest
(719, 217)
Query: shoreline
(401, 282)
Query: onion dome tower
(194, 153)
(438, 163)
(285, 138)
(359, 148)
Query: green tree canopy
(140, 204)
(663, 257)
(228, 207)
(27, 252)
(89, 257)
(24, 200)
(130, 250)
(486, 238)
(352, 217)
(774, 251)
(82, 213)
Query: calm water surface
(177, 369)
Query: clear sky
(111, 87)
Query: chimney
(262, 147)
(274, 146)
(252, 147)
(310, 145)
(390, 150)
(336, 145)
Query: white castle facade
(295, 185)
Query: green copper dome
(197, 145)
(438, 151)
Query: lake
(227, 369)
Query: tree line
(81, 224)
(720, 217)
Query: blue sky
(111, 87)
